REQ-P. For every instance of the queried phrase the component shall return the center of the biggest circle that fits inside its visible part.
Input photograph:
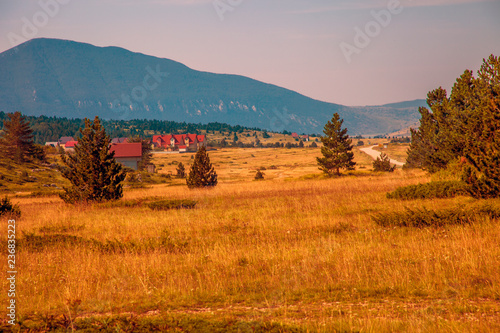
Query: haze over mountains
(70, 79)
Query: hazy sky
(332, 50)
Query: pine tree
(17, 139)
(463, 127)
(92, 170)
(181, 171)
(337, 148)
(202, 173)
(482, 149)
(422, 142)
(440, 138)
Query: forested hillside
(52, 128)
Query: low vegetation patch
(135, 323)
(8, 209)
(383, 163)
(440, 189)
(172, 204)
(422, 217)
(165, 243)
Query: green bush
(259, 175)
(8, 209)
(383, 163)
(171, 204)
(422, 217)
(441, 189)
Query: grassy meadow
(295, 252)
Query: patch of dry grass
(301, 252)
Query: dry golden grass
(289, 249)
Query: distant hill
(63, 78)
(408, 104)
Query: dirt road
(374, 154)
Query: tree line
(463, 129)
(46, 129)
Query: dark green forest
(52, 128)
(463, 129)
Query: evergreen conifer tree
(337, 148)
(17, 139)
(202, 173)
(482, 149)
(94, 174)
(181, 171)
(466, 127)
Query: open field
(295, 252)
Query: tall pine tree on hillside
(202, 173)
(94, 174)
(337, 148)
(16, 141)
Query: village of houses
(130, 153)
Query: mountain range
(64, 78)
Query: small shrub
(9, 209)
(181, 171)
(259, 175)
(172, 204)
(383, 163)
(441, 189)
(420, 218)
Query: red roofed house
(180, 142)
(70, 145)
(295, 135)
(128, 154)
